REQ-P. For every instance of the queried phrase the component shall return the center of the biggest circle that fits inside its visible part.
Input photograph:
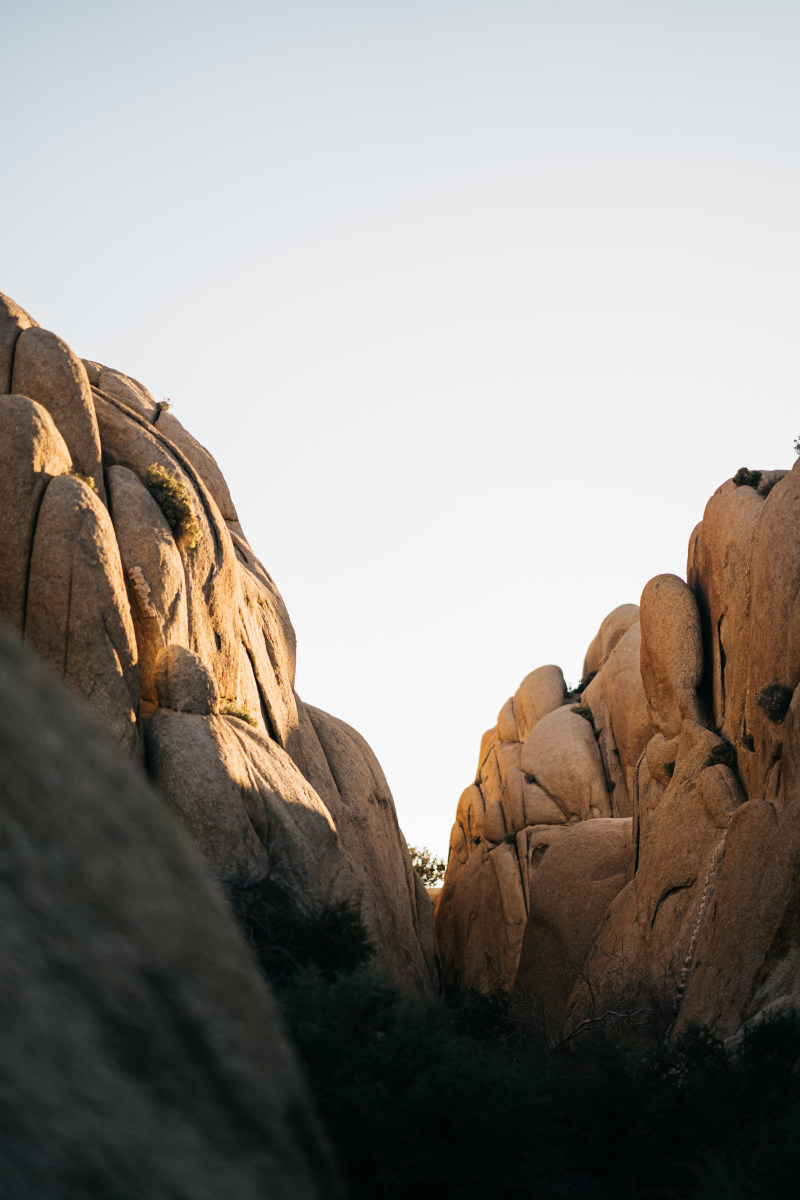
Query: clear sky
(476, 303)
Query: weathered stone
(613, 627)
(13, 320)
(202, 461)
(540, 809)
(621, 717)
(578, 878)
(33, 451)
(183, 683)
(132, 393)
(154, 574)
(671, 653)
(470, 812)
(718, 572)
(141, 1053)
(77, 614)
(394, 904)
(539, 693)
(49, 372)
(495, 828)
(506, 722)
(774, 644)
(561, 754)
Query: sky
(475, 303)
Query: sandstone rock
(141, 1054)
(579, 877)
(77, 614)
(470, 812)
(203, 462)
(506, 722)
(774, 643)
(539, 693)
(614, 627)
(561, 754)
(33, 451)
(718, 572)
(13, 320)
(183, 683)
(129, 391)
(619, 705)
(671, 653)
(394, 903)
(49, 372)
(480, 919)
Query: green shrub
(230, 710)
(87, 479)
(173, 498)
(584, 683)
(414, 1097)
(163, 405)
(747, 478)
(723, 754)
(774, 701)
(286, 931)
(429, 868)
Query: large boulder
(141, 1053)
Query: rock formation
(142, 1054)
(635, 846)
(125, 566)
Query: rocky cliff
(634, 847)
(124, 566)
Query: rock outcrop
(662, 878)
(141, 1054)
(126, 568)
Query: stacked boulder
(125, 567)
(674, 890)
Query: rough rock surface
(686, 912)
(141, 1052)
(154, 607)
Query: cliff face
(124, 565)
(637, 844)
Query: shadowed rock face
(141, 1053)
(152, 604)
(689, 907)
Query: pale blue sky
(475, 303)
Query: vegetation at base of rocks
(584, 683)
(286, 931)
(173, 498)
(429, 868)
(458, 1098)
(724, 754)
(412, 1092)
(583, 710)
(774, 701)
(87, 479)
(230, 710)
(746, 478)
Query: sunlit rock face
(124, 565)
(651, 867)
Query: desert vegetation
(463, 1101)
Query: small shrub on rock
(230, 710)
(87, 479)
(583, 710)
(723, 755)
(774, 701)
(173, 498)
(747, 478)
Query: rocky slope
(634, 847)
(124, 565)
